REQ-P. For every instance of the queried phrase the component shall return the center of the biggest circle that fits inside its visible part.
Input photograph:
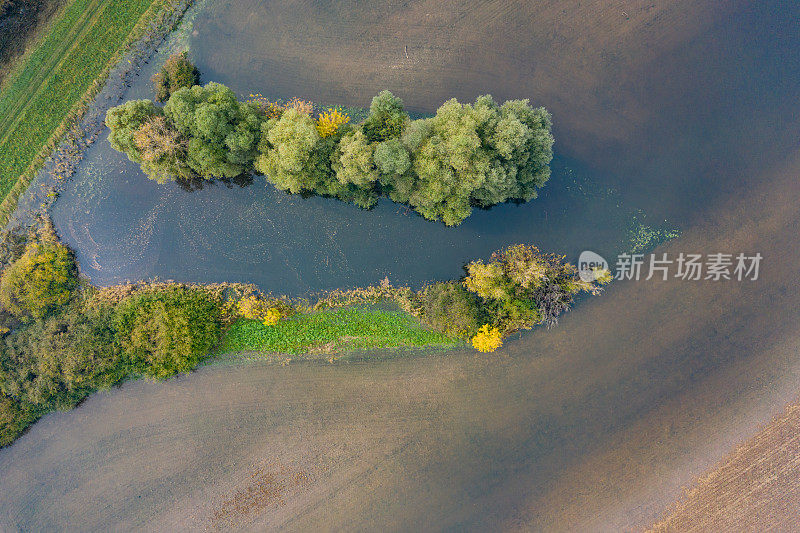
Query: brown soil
(20, 21)
(755, 488)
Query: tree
(163, 150)
(56, 362)
(223, 134)
(480, 154)
(488, 339)
(124, 121)
(295, 158)
(467, 155)
(40, 281)
(353, 161)
(166, 332)
(329, 123)
(386, 118)
(522, 287)
(176, 73)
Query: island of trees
(467, 155)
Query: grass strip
(332, 331)
(53, 84)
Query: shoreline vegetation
(52, 85)
(465, 156)
(63, 339)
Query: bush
(168, 331)
(56, 362)
(176, 73)
(488, 339)
(14, 418)
(40, 281)
(451, 309)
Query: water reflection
(198, 183)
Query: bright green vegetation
(43, 92)
(349, 328)
(467, 155)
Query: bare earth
(753, 489)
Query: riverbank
(64, 339)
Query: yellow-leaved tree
(488, 339)
(328, 123)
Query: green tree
(223, 134)
(176, 73)
(386, 118)
(353, 161)
(124, 121)
(169, 331)
(40, 281)
(56, 362)
(295, 158)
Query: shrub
(271, 317)
(40, 281)
(176, 73)
(14, 418)
(167, 331)
(12, 245)
(56, 362)
(328, 123)
(488, 339)
(451, 309)
(252, 307)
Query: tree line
(465, 156)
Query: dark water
(687, 109)
(125, 227)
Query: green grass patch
(53, 79)
(337, 330)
